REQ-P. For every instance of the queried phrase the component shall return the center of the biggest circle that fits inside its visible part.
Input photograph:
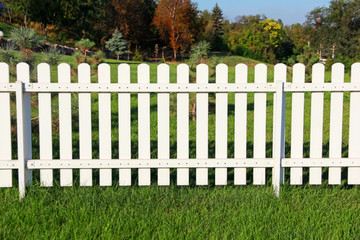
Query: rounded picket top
(241, 73)
(4, 72)
(163, 67)
(260, 73)
(43, 73)
(298, 66)
(143, 73)
(221, 67)
(64, 67)
(338, 67)
(23, 72)
(124, 73)
(202, 67)
(104, 75)
(318, 73)
(84, 73)
(221, 73)
(298, 75)
(280, 71)
(202, 73)
(143, 67)
(84, 66)
(182, 73)
(103, 67)
(355, 72)
(183, 67)
(64, 73)
(163, 73)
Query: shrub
(199, 53)
(137, 56)
(7, 54)
(26, 38)
(98, 57)
(52, 56)
(84, 45)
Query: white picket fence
(64, 88)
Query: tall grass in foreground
(251, 212)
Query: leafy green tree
(85, 45)
(116, 45)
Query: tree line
(152, 26)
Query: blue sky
(290, 11)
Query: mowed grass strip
(250, 212)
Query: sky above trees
(289, 11)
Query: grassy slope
(192, 212)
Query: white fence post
(221, 124)
(5, 128)
(316, 128)
(240, 138)
(354, 126)
(85, 136)
(65, 125)
(45, 125)
(124, 100)
(163, 76)
(182, 124)
(144, 125)
(336, 123)
(260, 123)
(297, 125)
(23, 112)
(105, 125)
(202, 128)
(279, 127)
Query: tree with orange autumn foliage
(172, 19)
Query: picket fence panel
(80, 98)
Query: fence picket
(85, 138)
(336, 117)
(105, 125)
(5, 127)
(24, 138)
(297, 124)
(260, 123)
(45, 125)
(202, 111)
(144, 124)
(124, 124)
(354, 126)
(240, 138)
(183, 124)
(221, 124)
(163, 76)
(65, 125)
(316, 126)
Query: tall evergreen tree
(218, 22)
(116, 45)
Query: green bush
(137, 56)
(8, 54)
(52, 56)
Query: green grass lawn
(235, 212)
(181, 213)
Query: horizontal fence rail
(53, 120)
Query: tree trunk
(25, 20)
(117, 57)
(174, 55)
(45, 26)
